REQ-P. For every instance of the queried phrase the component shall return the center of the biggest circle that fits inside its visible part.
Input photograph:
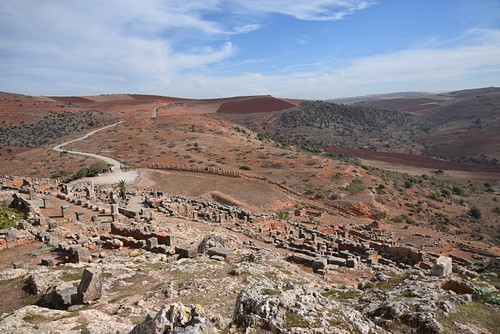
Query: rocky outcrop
(176, 319)
(295, 309)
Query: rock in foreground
(176, 319)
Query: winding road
(107, 178)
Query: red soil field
(412, 160)
(254, 105)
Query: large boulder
(443, 267)
(176, 319)
(217, 240)
(186, 251)
(90, 287)
(59, 297)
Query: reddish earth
(254, 105)
(412, 160)
(71, 99)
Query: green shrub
(98, 167)
(283, 215)
(446, 192)
(8, 217)
(245, 167)
(436, 196)
(487, 296)
(458, 190)
(83, 172)
(475, 212)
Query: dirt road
(117, 172)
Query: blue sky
(314, 49)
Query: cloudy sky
(314, 49)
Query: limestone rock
(293, 308)
(90, 287)
(218, 251)
(176, 319)
(186, 251)
(59, 297)
(443, 267)
(216, 240)
(460, 288)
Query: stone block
(79, 254)
(186, 251)
(320, 263)
(351, 263)
(336, 260)
(151, 243)
(90, 287)
(443, 267)
(59, 297)
(219, 251)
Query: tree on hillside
(98, 167)
(283, 215)
(122, 188)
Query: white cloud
(437, 69)
(315, 10)
(92, 47)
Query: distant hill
(251, 105)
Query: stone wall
(140, 234)
(195, 168)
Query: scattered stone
(18, 265)
(48, 261)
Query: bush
(356, 186)
(8, 217)
(283, 215)
(83, 172)
(475, 212)
(486, 295)
(408, 184)
(245, 167)
(98, 167)
(458, 190)
(446, 192)
(437, 196)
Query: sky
(308, 49)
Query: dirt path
(117, 172)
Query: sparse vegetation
(8, 217)
(355, 186)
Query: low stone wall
(139, 234)
(195, 168)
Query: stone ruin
(347, 246)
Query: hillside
(328, 124)
(215, 214)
